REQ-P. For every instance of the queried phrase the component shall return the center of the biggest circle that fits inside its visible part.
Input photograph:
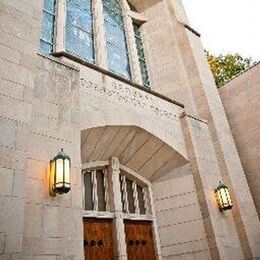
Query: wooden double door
(98, 242)
(139, 240)
(98, 239)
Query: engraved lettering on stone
(128, 95)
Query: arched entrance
(118, 165)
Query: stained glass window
(79, 29)
(141, 55)
(117, 53)
(46, 41)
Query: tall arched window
(141, 54)
(47, 35)
(79, 29)
(117, 53)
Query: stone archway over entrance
(135, 148)
(119, 164)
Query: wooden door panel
(98, 242)
(139, 240)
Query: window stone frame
(100, 51)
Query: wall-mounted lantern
(60, 168)
(223, 197)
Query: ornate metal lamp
(60, 169)
(223, 197)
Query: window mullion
(83, 190)
(60, 25)
(130, 39)
(136, 201)
(146, 200)
(125, 197)
(95, 194)
(106, 189)
(99, 34)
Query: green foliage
(225, 67)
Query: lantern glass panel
(228, 197)
(51, 176)
(59, 172)
(67, 171)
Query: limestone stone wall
(52, 226)
(17, 48)
(36, 114)
(240, 98)
(165, 63)
(180, 222)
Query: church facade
(124, 89)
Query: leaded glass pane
(45, 46)
(101, 190)
(49, 5)
(130, 196)
(137, 30)
(46, 42)
(112, 16)
(140, 48)
(79, 42)
(47, 27)
(79, 29)
(141, 55)
(144, 72)
(79, 17)
(115, 36)
(83, 4)
(89, 204)
(118, 61)
(141, 200)
(113, 5)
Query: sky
(227, 25)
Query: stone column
(99, 34)
(157, 242)
(118, 222)
(223, 238)
(209, 106)
(60, 26)
(131, 45)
